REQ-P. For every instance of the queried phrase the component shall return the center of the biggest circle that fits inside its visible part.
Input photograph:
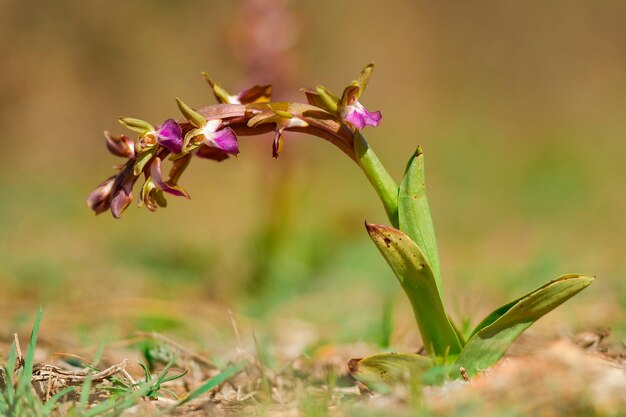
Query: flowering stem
(385, 186)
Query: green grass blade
(416, 277)
(29, 360)
(10, 375)
(495, 334)
(116, 406)
(52, 402)
(223, 376)
(414, 213)
(85, 390)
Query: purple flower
(122, 189)
(170, 136)
(166, 186)
(99, 200)
(348, 107)
(223, 139)
(353, 112)
(359, 117)
(120, 145)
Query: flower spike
(212, 133)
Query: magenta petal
(170, 136)
(226, 140)
(157, 178)
(359, 117)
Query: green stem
(385, 186)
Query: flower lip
(226, 140)
(223, 139)
(359, 117)
(157, 178)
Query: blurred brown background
(519, 107)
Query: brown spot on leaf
(353, 364)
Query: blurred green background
(519, 108)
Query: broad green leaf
(414, 212)
(383, 184)
(416, 277)
(495, 334)
(383, 369)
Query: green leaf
(29, 360)
(143, 159)
(9, 374)
(384, 369)
(195, 118)
(218, 379)
(383, 184)
(417, 279)
(52, 403)
(414, 212)
(136, 125)
(494, 335)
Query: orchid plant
(408, 245)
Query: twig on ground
(45, 372)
